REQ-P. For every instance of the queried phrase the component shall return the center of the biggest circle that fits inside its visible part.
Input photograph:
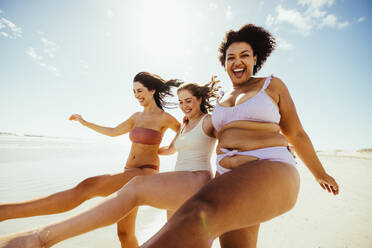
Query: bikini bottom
(276, 153)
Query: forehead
(138, 85)
(184, 94)
(238, 47)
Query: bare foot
(28, 239)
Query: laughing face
(142, 94)
(240, 62)
(189, 104)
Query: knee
(126, 236)
(133, 189)
(89, 187)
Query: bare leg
(164, 190)
(66, 200)
(245, 238)
(170, 214)
(246, 196)
(126, 230)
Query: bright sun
(164, 26)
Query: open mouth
(238, 73)
(187, 111)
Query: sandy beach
(32, 167)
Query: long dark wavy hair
(162, 87)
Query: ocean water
(32, 167)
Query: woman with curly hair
(257, 179)
(145, 130)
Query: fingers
(74, 117)
(331, 187)
(322, 186)
(334, 190)
(328, 188)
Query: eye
(230, 58)
(245, 55)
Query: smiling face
(143, 95)
(240, 62)
(189, 104)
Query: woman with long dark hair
(145, 130)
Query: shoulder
(207, 122)
(208, 126)
(168, 117)
(134, 116)
(207, 118)
(276, 82)
(170, 121)
(277, 85)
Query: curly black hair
(261, 41)
(207, 92)
(162, 87)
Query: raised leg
(66, 200)
(126, 230)
(170, 214)
(163, 190)
(248, 195)
(244, 238)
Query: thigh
(248, 195)
(245, 237)
(109, 184)
(168, 190)
(128, 223)
(170, 213)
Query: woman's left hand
(328, 183)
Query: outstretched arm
(120, 129)
(292, 129)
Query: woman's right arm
(120, 129)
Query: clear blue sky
(64, 57)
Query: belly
(142, 154)
(246, 140)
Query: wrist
(319, 174)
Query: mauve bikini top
(259, 108)
(145, 136)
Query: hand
(328, 183)
(76, 117)
(185, 119)
(290, 148)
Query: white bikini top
(194, 149)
